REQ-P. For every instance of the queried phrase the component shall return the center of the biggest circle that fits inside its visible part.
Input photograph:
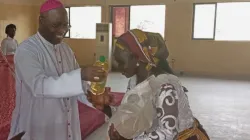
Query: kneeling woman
(173, 118)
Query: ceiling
(21, 2)
(93, 2)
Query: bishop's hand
(93, 74)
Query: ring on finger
(96, 78)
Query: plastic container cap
(102, 59)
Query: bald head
(53, 25)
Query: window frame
(129, 6)
(193, 18)
(69, 22)
(111, 7)
(69, 7)
(165, 17)
(111, 12)
(233, 39)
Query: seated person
(168, 104)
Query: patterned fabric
(133, 42)
(171, 116)
(167, 115)
(136, 113)
(173, 110)
(194, 133)
(147, 47)
(7, 96)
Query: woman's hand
(18, 137)
(114, 135)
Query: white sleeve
(4, 45)
(31, 72)
(83, 98)
(85, 86)
(131, 83)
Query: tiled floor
(222, 106)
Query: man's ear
(41, 19)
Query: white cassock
(48, 85)
(9, 46)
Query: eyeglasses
(65, 26)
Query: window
(83, 21)
(150, 18)
(204, 16)
(67, 9)
(222, 21)
(233, 21)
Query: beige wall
(201, 56)
(193, 56)
(23, 16)
(21, 2)
(219, 58)
(84, 50)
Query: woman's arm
(167, 113)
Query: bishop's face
(55, 25)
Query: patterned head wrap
(135, 41)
